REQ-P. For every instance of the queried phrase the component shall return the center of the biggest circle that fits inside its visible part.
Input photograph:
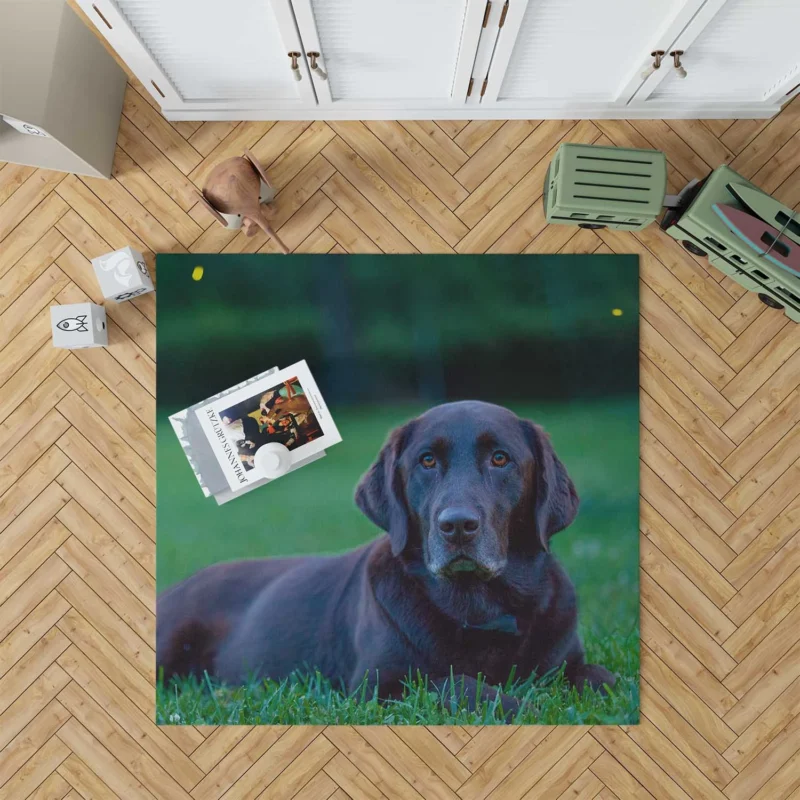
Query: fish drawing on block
(763, 238)
(77, 324)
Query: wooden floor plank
(380, 231)
(122, 638)
(100, 761)
(21, 566)
(515, 194)
(683, 334)
(758, 552)
(685, 449)
(494, 152)
(30, 230)
(688, 704)
(108, 478)
(235, 761)
(765, 143)
(134, 214)
(452, 127)
(153, 161)
(26, 198)
(683, 374)
(103, 580)
(476, 133)
(28, 437)
(32, 702)
(153, 198)
(37, 769)
(703, 141)
(419, 161)
(684, 519)
(684, 556)
(30, 267)
(23, 528)
(771, 685)
(125, 730)
(359, 153)
(84, 782)
(682, 736)
(692, 635)
(209, 135)
(293, 158)
(113, 520)
(495, 756)
(437, 143)
(12, 176)
(684, 412)
(769, 594)
(669, 577)
(31, 629)
(498, 182)
(159, 131)
(639, 764)
(663, 137)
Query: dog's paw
(466, 688)
(592, 675)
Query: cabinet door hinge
(486, 13)
(469, 88)
(503, 15)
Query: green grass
(311, 700)
(598, 442)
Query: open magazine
(279, 410)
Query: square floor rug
(398, 489)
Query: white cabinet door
(579, 53)
(392, 54)
(745, 51)
(207, 53)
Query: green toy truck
(701, 231)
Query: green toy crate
(605, 187)
(695, 224)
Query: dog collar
(505, 623)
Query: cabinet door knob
(315, 68)
(676, 57)
(657, 56)
(295, 66)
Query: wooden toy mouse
(234, 192)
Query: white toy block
(122, 274)
(79, 325)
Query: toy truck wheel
(769, 301)
(592, 226)
(693, 248)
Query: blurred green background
(387, 337)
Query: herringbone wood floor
(720, 416)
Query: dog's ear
(380, 495)
(556, 501)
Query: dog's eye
(499, 458)
(428, 460)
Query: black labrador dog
(463, 583)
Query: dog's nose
(458, 525)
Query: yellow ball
(197, 273)
(617, 312)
